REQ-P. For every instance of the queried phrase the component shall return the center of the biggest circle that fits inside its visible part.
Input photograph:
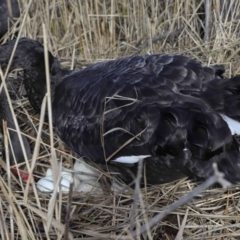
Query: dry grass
(83, 32)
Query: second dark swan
(169, 110)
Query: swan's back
(149, 107)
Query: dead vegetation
(83, 32)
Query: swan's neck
(29, 55)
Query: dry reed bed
(83, 32)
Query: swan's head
(29, 56)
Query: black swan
(8, 9)
(16, 154)
(177, 115)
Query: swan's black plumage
(8, 9)
(16, 154)
(171, 103)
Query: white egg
(46, 184)
(48, 172)
(88, 188)
(117, 187)
(87, 182)
(84, 178)
(81, 167)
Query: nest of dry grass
(80, 33)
